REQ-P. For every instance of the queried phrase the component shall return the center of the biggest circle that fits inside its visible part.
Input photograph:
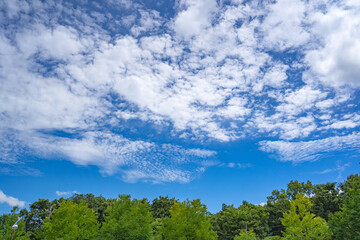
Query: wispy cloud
(11, 201)
(235, 165)
(114, 154)
(340, 168)
(311, 150)
(60, 193)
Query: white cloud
(311, 150)
(59, 43)
(335, 61)
(233, 165)
(344, 124)
(149, 21)
(284, 28)
(10, 200)
(340, 168)
(210, 72)
(194, 18)
(116, 155)
(13, 8)
(60, 193)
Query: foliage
(231, 221)
(348, 184)
(273, 238)
(295, 188)
(6, 223)
(160, 207)
(98, 204)
(246, 235)
(300, 224)
(34, 218)
(189, 221)
(70, 221)
(326, 200)
(284, 216)
(277, 204)
(128, 220)
(160, 210)
(346, 223)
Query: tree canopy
(230, 221)
(300, 224)
(301, 211)
(70, 221)
(346, 223)
(6, 223)
(127, 220)
(189, 221)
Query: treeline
(302, 211)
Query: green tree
(189, 221)
(231, 221)
(348, 183)
(160, 207)
(6, 223)
(225, 222)
(160, 210)
(326, 200)
(273, 238)
(300, 224)
(127, 220)
(70, 221)
(295, 187)
(34, 218)
(98, 204)
(346, 223)
(246, 235)
(277, 204)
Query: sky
(213, 99)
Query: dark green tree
(160, 210)
(295, 187)
(127, 220)
(345, 224)
(347, 184)
(35, 217)
(326, 200)
(189, 221)
(230, 221)
(225, 222)
(277, 204)
(160, 207)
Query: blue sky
(219, 100)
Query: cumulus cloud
(282, 28)
(335, 62)
(11, 201)
(193, 17)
